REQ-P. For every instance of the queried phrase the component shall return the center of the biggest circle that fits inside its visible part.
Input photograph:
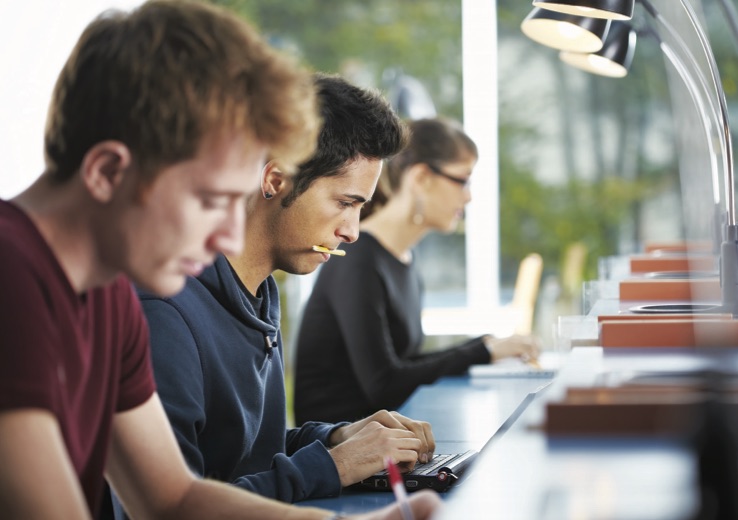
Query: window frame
(481, 314)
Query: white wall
(36, 36)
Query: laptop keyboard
(442, 471)
(437, 462)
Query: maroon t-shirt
(83, 357)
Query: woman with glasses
(358, 348)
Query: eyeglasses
(463, 182)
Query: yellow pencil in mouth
(337, 252)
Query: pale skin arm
(37, 479)
(361, 447)
(423, 505)
(526, 347)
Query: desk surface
(523, 474)
(465, 414)
(526, 475)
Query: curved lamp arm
(722, 109)
(729, 247)
(688, 79)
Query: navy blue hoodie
(219, 373)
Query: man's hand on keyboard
(420, 429)
(363, 454)
(361, 447)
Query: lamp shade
(609, 9)
(565, 32)
(615, 57)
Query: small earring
(418, 218)
(268, 195)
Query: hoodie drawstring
(271, 344)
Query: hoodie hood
(222, 281)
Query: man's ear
(103, 168)
(273, 180)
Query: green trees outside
(604, 125)
(365, 39)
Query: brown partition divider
(628, 409)
(647, 289)
(684, 332)
(679, 246)
(674, 316)
(649, 263)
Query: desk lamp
(613, 59)
(565, 31)
(699, 90)
(606, 9)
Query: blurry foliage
(591, 204)
(546, 218)
(362, 40)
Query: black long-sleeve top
(358, 347)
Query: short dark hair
(169, 74)
(357, 123)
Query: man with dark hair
(217, 346)
(160, 123)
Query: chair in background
(526, 292)
(573, 264)
(515, 317)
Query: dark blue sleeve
(308, 433)
(308, 473)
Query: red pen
(398, 488)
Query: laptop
(444, 470)
(548, 366)
(438, 474)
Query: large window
(36, 38)
(576, 159)
(569, 161)
(594, 160)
